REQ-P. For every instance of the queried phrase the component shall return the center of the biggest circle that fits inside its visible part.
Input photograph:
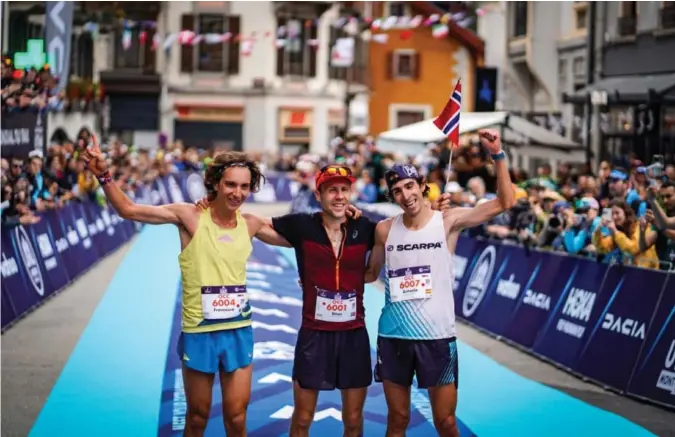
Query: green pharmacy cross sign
(34, 56)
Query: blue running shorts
(209, 352)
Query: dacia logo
(479, 281)
(418, 246)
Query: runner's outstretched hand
(203, 203)
(93, 158)
(353, 212)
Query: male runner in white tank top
(417, 325)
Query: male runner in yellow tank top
(217, 336)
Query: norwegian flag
(448, 120)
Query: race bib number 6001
(334, 306)
(410, 283)
(223, 302)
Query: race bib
(223, 302)
(334, 306)
(410, 283)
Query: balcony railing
(627, 25)
(136, 57)
(667, 16)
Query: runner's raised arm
(125, 207)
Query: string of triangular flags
(375, 29)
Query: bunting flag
(448, 120)
(354, 26)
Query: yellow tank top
(213, 268)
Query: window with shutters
(357, 72)
(209, 54)
(405, 64)
(82, 56)
(136, 55)
(295, 54)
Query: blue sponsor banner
(654, 375)
(80, 254)
(52, 264)
(476, 282)
(86, 230)
(172, 186)
(160, 195)
(571, 321)
(8, 315)
(26, 284)
(620, 329)
(550, 277)
(466, 247)
(514, 272)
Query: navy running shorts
(434, 362)
(326, 360)
(209, 352)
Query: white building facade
(250, 105)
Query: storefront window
(621, 120)
(668, 121)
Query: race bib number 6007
(410, 283)
(223, 302)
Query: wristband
(105, 178)
(498, 156)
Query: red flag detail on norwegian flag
(448, 120)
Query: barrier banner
(12, 276)
(7, 314)
(160, 195)
(654, 376)
(477, 284)
(565, 333)
(122, 231)
(539, 297)
(29, 287)
(193, 186)
(464, 252)
(614, 343)
(514, 269)
(101, 234)
(173, 188)
(22, 132)
(52, 264)
(85, 253)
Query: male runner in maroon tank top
(333, 348)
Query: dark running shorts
(434, 362)
(326, 360)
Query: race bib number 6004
(410, 283)
(223, 302)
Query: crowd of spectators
(29, 90)
(43, 182)
(613, 214)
